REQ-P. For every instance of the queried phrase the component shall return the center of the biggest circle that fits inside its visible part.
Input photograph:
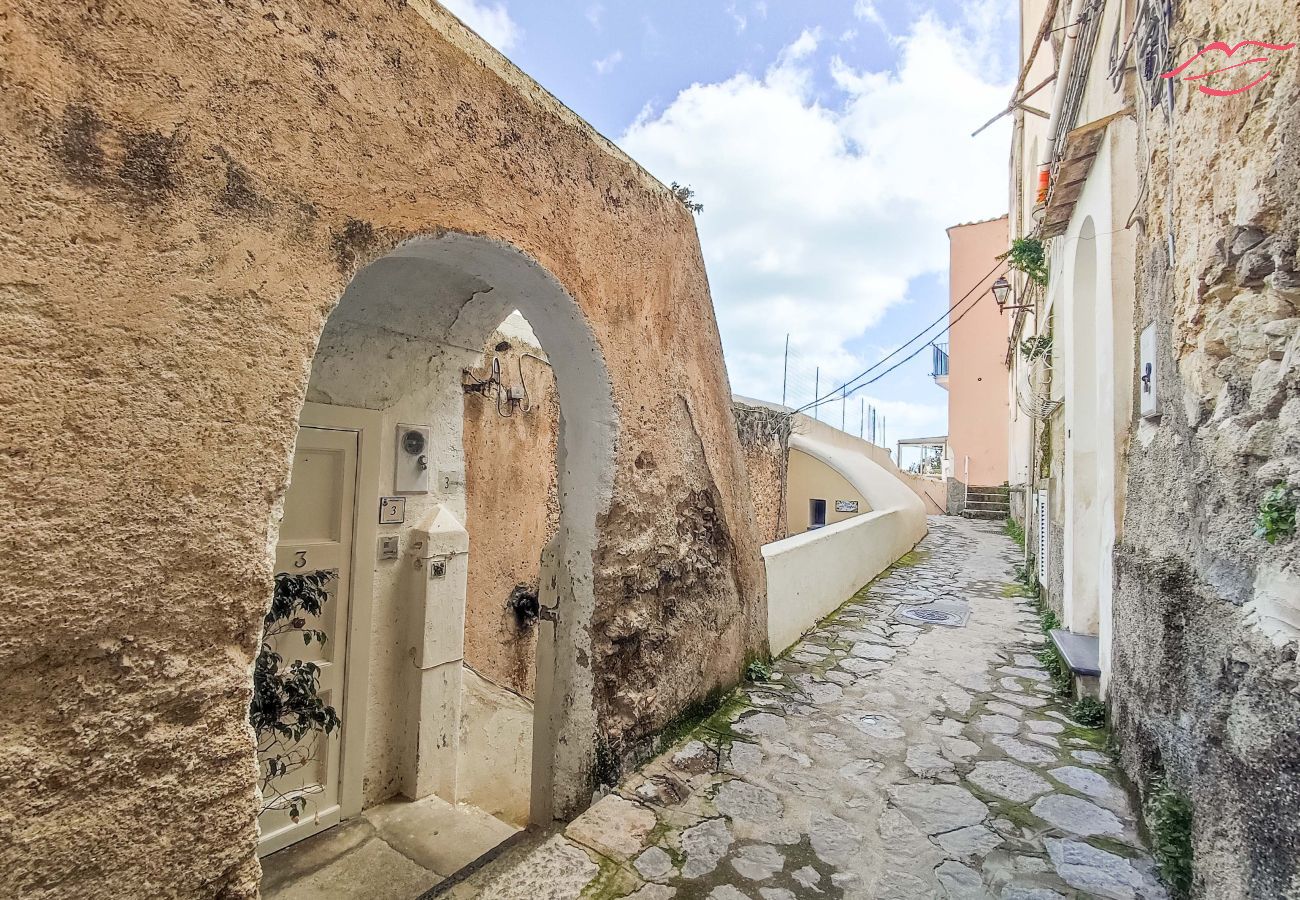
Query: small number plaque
(846, 506)
(392, 510)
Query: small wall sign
(846, 506)
(392, 510)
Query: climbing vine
(287, 712)
(1038, 346)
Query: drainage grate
(941, 612)
(931, 615)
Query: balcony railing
(940, 361)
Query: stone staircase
(988, 503)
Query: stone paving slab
(883, 760)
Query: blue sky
(829, 141)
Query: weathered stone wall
(956, 496)
(1206, 687)
(189, 188)
(765, 445)
(512, 511)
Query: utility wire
(915, 353)
(849, 385)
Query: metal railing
(940, 361)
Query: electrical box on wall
(1148, 392)
(412, 459)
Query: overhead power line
(850, 386)
(912, 355)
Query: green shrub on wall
(1169, 819)
(1277, 514)
(1028, 255)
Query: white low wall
(811, 574)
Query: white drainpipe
(965, 477)
(1062, 77)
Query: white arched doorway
(378, 496)
(1083, 507)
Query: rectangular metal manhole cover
(940, 612)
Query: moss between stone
(723, 717)
(1111, 845)
(1017, 814)
(910, 558)
(1096, 738)
(611, 881)
(701, 714)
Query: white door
(316, 536)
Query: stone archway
(212, 207)
(396, 344)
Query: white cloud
(490, 19)
(740, 15)
(819, 211)
(596, 15)
(603, 66)
(741, 20)
(867, 12)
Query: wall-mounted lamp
(1003, 291)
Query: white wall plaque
(392, 510)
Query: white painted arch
(395, 343)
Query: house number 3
(300, 559)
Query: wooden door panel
(316, 535)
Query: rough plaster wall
(664, 592)
(189, 189)
(512, 511)
(496, 748)
(765, 444)
(1206, 685)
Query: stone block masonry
(1205, 688)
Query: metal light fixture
(1003, 291)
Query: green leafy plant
(758, 671)
(287, 712)
(1028, 255)
(1026, 578)
(1049, 619)
(1277, 513)
(687, 197)
(1015, 532)
(1089, 711)
(1169, 819)
(1037, 346)
(1056, 669)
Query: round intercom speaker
(413, 442)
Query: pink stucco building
(977, 349)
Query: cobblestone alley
(883, 760)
